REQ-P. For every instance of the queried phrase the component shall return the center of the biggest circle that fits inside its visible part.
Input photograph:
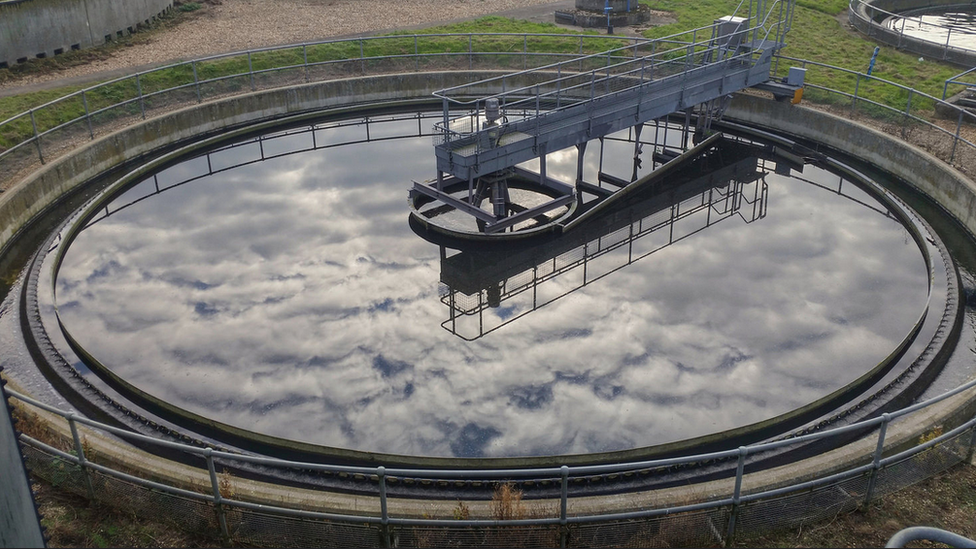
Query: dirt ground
(222, 26)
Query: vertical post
(82, 460)
(945, 51)
(84, 101)
(142, 102)
(559, 83)
(955, 142)
(580, 154)
(581, 53)
(600, 167)
(564, 504)
(857, 85)
(876, 465)
(470, 52)
(538, 100)
(362, 57)
(908, 109)
(196, 82)
(250, 69)
(305, 58)
(525, 51)
(736, 494)
(416, 52)
(384, 512)
(37, 137)
(218, 500)
(972, 445)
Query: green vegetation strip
(818, 34)
(430, 42)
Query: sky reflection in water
(290, 297)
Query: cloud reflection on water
(289, 297)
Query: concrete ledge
(21, 203)
(921, 170)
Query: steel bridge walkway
(567, 104)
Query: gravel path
(234, 25)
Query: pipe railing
(876, 461)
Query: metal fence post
(384, 512)
(955, 142)
(142, 102)
(196, 83)
(869, 493)
(581, 54)
(250, 69)
(362, 57)
(218, 500)
(470, 52)
(525, 51)
(305, 57)
(945, 51)
(564, 504)
(84, 101)
(908, 112)
(37, 137)
(82, 460)
(559, 83)
(857, 86)
(972, 445)
(736, 493)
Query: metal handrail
(554, 472)
(563, 472)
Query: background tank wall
(44, 28)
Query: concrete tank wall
(18, 205)
(44, 28)
(919, 169)
(868, 16)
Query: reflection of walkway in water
(475, 283)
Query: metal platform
(570, 103)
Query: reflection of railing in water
(262, 155)
(473, 283)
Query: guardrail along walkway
(570, 103)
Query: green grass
(816, 35)
(127, 89)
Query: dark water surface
(290, 297)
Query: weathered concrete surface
(941, 182)
(33, 28)
(21, 203)
(19, 524)
(920, 169)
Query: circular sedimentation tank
(263, 288)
